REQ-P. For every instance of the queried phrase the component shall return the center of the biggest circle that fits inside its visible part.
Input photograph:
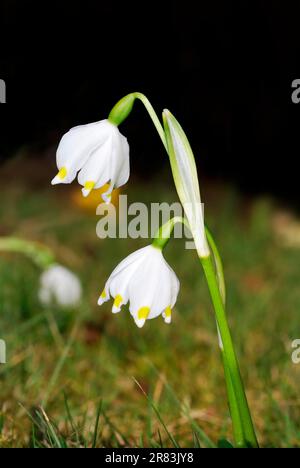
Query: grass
(85, 378)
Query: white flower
(59, 284)
(98, 152)
(146, 280)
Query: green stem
(160, 241)
(239, 409)
(123, 108)
(237, 423)
(38, 253)
(230, 357)
(164, 233)
(154, 117)
(218, 263)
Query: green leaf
(225, 444)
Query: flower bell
(98, 152)
(59, 284)
(146, 280)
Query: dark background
(224, 70)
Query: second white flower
(146, 280)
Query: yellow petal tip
(62, 174)
(143, 313)
(117, 303)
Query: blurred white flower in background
(98, 152)
(145, 279)
(60, 285)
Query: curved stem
(124, 106)
(38, 253)
(153, 116)
(164, 233)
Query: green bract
(186, 180)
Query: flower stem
(123, 108)
(237, 423)
(38, 253)
(231, 364)
(242, 423)
(153, 116)
(164, 233)
(160, 241)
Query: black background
(225, 70)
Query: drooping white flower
(146, 280)
(98, 152)
(60, 285)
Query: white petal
(175, 286)
(140, 322)
(71, 174)
(101, 300)
(146, 282)
(97, 168)
(77, 145)
(119, 286)
(122, 175)
(168, 319)
(119, 164)
(162, 297)
(106, 196)
(166, 292)
(138, 255)
(122, 275)
(118, 281)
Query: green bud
(122, 109)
